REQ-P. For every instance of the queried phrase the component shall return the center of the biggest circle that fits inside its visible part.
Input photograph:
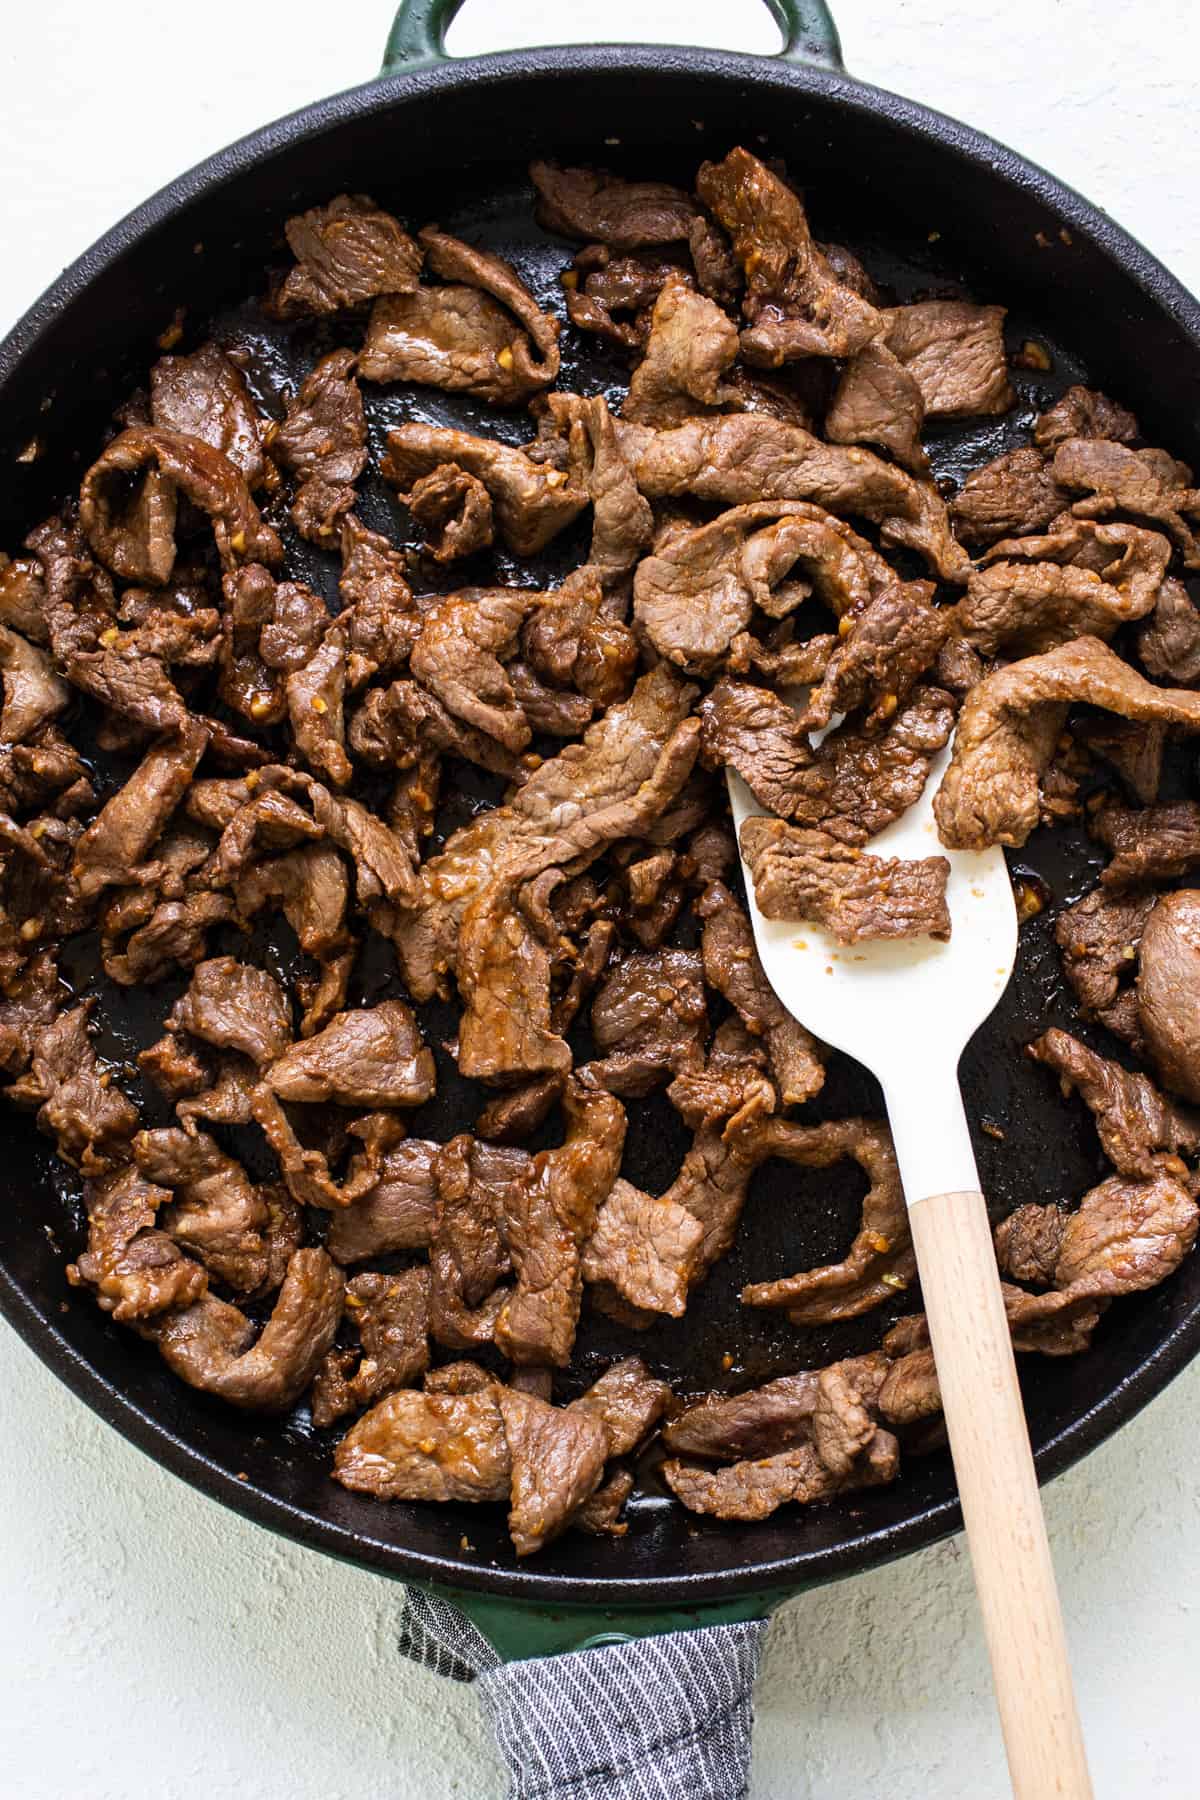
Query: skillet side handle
(418, 35)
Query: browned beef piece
(1168, 990)
(309, 886)
(465, 640)
(1169, 641)
(431, 1446)
(133, 1267)
(882, 652)
(167, 935)
(878, 401)
(692, 343)
(1149, 484)
(390, 1314)
(1084, 413)
(136, 537)
(754, 1490)
(532, 503)
(79, 1105)
(48, 776)
(649, 1020)
(1148, 844)
(551, 712)
(613, 784)
(1014, 494)
(731, 966)
(802, 874)
(628, 1401)
(911, 1391)
(503, 967)
(33, 693)
(644, 1250)
(1134, 751)
(23, 597)
(622, 522)
(234, 1006)
(601, 1514)
(242, 1234)
(209, 1345)
(346, 252)
(600, 286)
(402, 725)
(467, 1256)
(383, 620)
(793, 300)
(571, 642)
(323, 442)
(247, 684)
(766, 1420)
(516, 1114)
(205, 396)
(1009, 726)
(223, 1097)
(372, 1057)
(860, 781)
(755, 732)
(454, 512)
(558, 1456)
(314, 700)
(1098, 939)
(550, 1217)
(1082, 579)
(463, 336)
(1135, 1123)
(395, 1214)
(306, 1170)
(1127, 1235)
(128, 825)
(597, 207)
(30, 1002)
(955, 353)
(748, 458)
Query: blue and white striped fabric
(661, 1718)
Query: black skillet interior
(931, 212)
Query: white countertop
(151, 1642)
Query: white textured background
(153, 1644)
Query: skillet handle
(418, 35)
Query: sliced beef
(628, 1401)
(454, 512)
(390, 1314)
(1127, 1235)
(532, 503)
(515, 1114)
(1168, 990)
(596, 207)
(600, 286)
(644, 1249)
(754, 1490)
(395, 1214)
(550, 712)
(1169, 641)
(127, 826)
(134, 1269)
(309, 886)
(1081, 580)
(243, 1234)
(878, 401)
(438, 1446)
(1147, 844)
(692, 343)
(802, 874)
(323, 443)
(404, 726)
(648, 1020)
(30, 1003)
(1012, 495)
(371, 1057)
(860, 781)
(881, 653)
(622, 522)
(752, 730)
(1136, 1125)
(503, 967)
(78, 1103)
(732, 968)
(383, 621)
(1147, 484)
(1009, 726)
(766, 1420)
(572, 642)
(205, 396)
(347, 252)
(33, 693)
(467, 1255)
(464, 641)
(954, 351)
(1098, 940)
(235, 1006)
(558, 1456)
(1084, 413)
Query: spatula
(907, 1010)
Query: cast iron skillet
(928, 203)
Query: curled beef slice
(766, 1420)
(691, 345)
(131, 1265)
(645, 1248)
(405, 727)
(1098, 941)
(599, 286)
(209, 1346)
(1168, 643)
(860, 781)
(323, 442)
(558, 1456)
(503, 967)
(754, 1490)
(1137, 1127)
(371, 1057)
(347, 252)
(136, 537)
(306, 1171)
(551, 712)
(452, 260)
(1149, 484)
(23, 598)
(1082, 580)
(1127, 1235)
(880, 1261)
(218, 1213)
(746, 458)
(600, 208)
(247, 683)
(881, 653)
(454, 512)
(78, 1103)
(383, 620)
(955, 353)
(390, 1313)
(128, 825)
(628, 1401)
(174, 935)
(235, 1006)
(518, 1112)
(550, 1217)
(878, 401)
(466, 1250)
(732, 968)
(396, 1213)
(205, 396)
(315, 696)
(532, 503)
(802, 874)
(1010, 723)
(433, 1446)
(572, 642)
(793, 300)
(465, 640)
(309, 886)
(1083, 413)
(622, 522)
(648, 1020)
(1012, 495)
(34, 693)
(1168, 990)
(1147, 844)
(29, 1003)
(730, 1088)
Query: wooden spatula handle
(1001, 1505)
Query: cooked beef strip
(23, 597)
(347, 251)
(622, 521)
(517, 1113)
(127, 826)
(755, 732)
(764, 1420)
(596, 207)
(1136, 1125)
(879, 402)
(1010, 724)
(955, 353)
(1014, 494)
(1081, 580)
(395, 1214)
(315, 695)
(78, 1103)
(467, 1255)
(692, 343)
(28, 1003)
(323, 442)
(403, 726)
(571, 642)
(730, 1088)
(1126, 1235)
(454, 512)
(1098, 939)
(33, 693)
(1149, 484)
(644, 1248)
(628, 1401)
(648, 1020)
(793, 300)
(881, 653)
(383, 621)
(218, 1214)
(1168, 991)
(390, 1314)
(306, 1171)
(802, 874)
(132, 1266)
(205, 396)
(503, 966)
(459, 656)
(550, 712)
(1168, 643)
(1083, 413)
(371, 1057)
(433, 1446)
(558, 1456)
(1148, 844)
(754, 1490)
(309, 886)
(532, 504)
(732, 968)
(234, 1006)
(1135, 751)
(600, 1515)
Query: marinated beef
(78, 1103)
(390, 1315)
(1136, 1125)
(732, 968)
(347, 252)
(1013, 495)
(1084, 413)
(1147, 844)
(454, 512)
(754, 1490)
(371, 1057)
(134, 1269)
(205, 396)
(1169, 641)
(234, 1006)
(1082, 580)
(532, 503)
(1148, 484)
(600, 208)
(1168, 990)
(396, 1213)
(323, 442)
(1098, 939)
(648, 1020)
(802, 874)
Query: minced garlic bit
(894, 1281)
(319, 705)
(1029, 901)
(238, 542)
(505, 358)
